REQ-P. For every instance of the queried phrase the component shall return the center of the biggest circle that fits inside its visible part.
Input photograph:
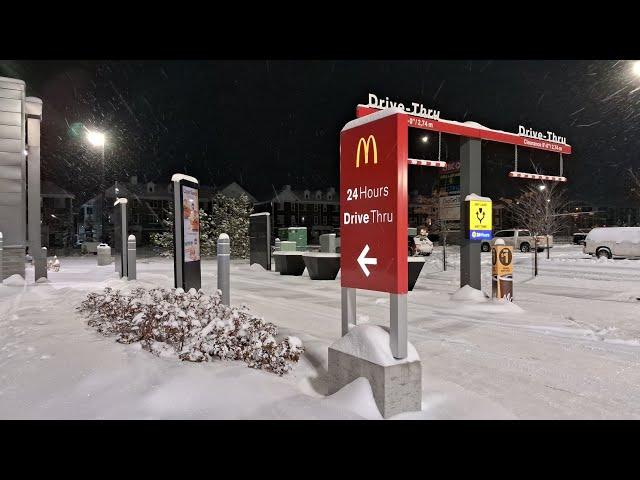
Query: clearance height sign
(373, 203)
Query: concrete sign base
(396, 384)
(13, 260)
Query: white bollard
(224, 260)
(131, 257)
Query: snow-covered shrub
(196, 326)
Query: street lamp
(98, 139)
(636, 68)
(425, 139)
(541, 187)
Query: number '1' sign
(373, 203)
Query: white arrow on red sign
(363, 261)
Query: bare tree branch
(539, 208)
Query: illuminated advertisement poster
(191, 221)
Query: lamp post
(97, 139)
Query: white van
(612, 242)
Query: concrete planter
(322, 266)
(415, 267)
(289, 263)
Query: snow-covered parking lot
(568, 348)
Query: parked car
(579, 238)
(519, 239)
(612, 242)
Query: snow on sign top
(371, 118)
(371, 342)
(473, 196)
(180, 176)
(120, 200)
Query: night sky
(268, 123)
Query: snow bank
(355, 397)
(14, 281)
(371, 342)
(468, 294)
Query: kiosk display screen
(191, 223)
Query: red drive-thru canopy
(373, 202)
(473, 130)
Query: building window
(307, 195)
(324, 207)
(315, 207)
(150, 187)
(89, 211)
(318, 195)
(324, 219)
(287, 206)
(293, 219)
(280, 219)
(315, 219)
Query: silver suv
(519, 239)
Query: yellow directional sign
(502, 261)
(480, 221)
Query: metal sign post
(374, 221)
(186, 232)
(120, 230)
(477, 225)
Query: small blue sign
(480, 235)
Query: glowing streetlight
(636, 68)
(541, 187)
(425, 139)
(95, 138)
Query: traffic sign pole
(399, 335)
(470, 182)
(348, 309)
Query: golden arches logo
(371, 141)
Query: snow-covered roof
(50, 189)
(12, 80)
(372, 117)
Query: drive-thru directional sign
(363, 261)
(373, 201)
